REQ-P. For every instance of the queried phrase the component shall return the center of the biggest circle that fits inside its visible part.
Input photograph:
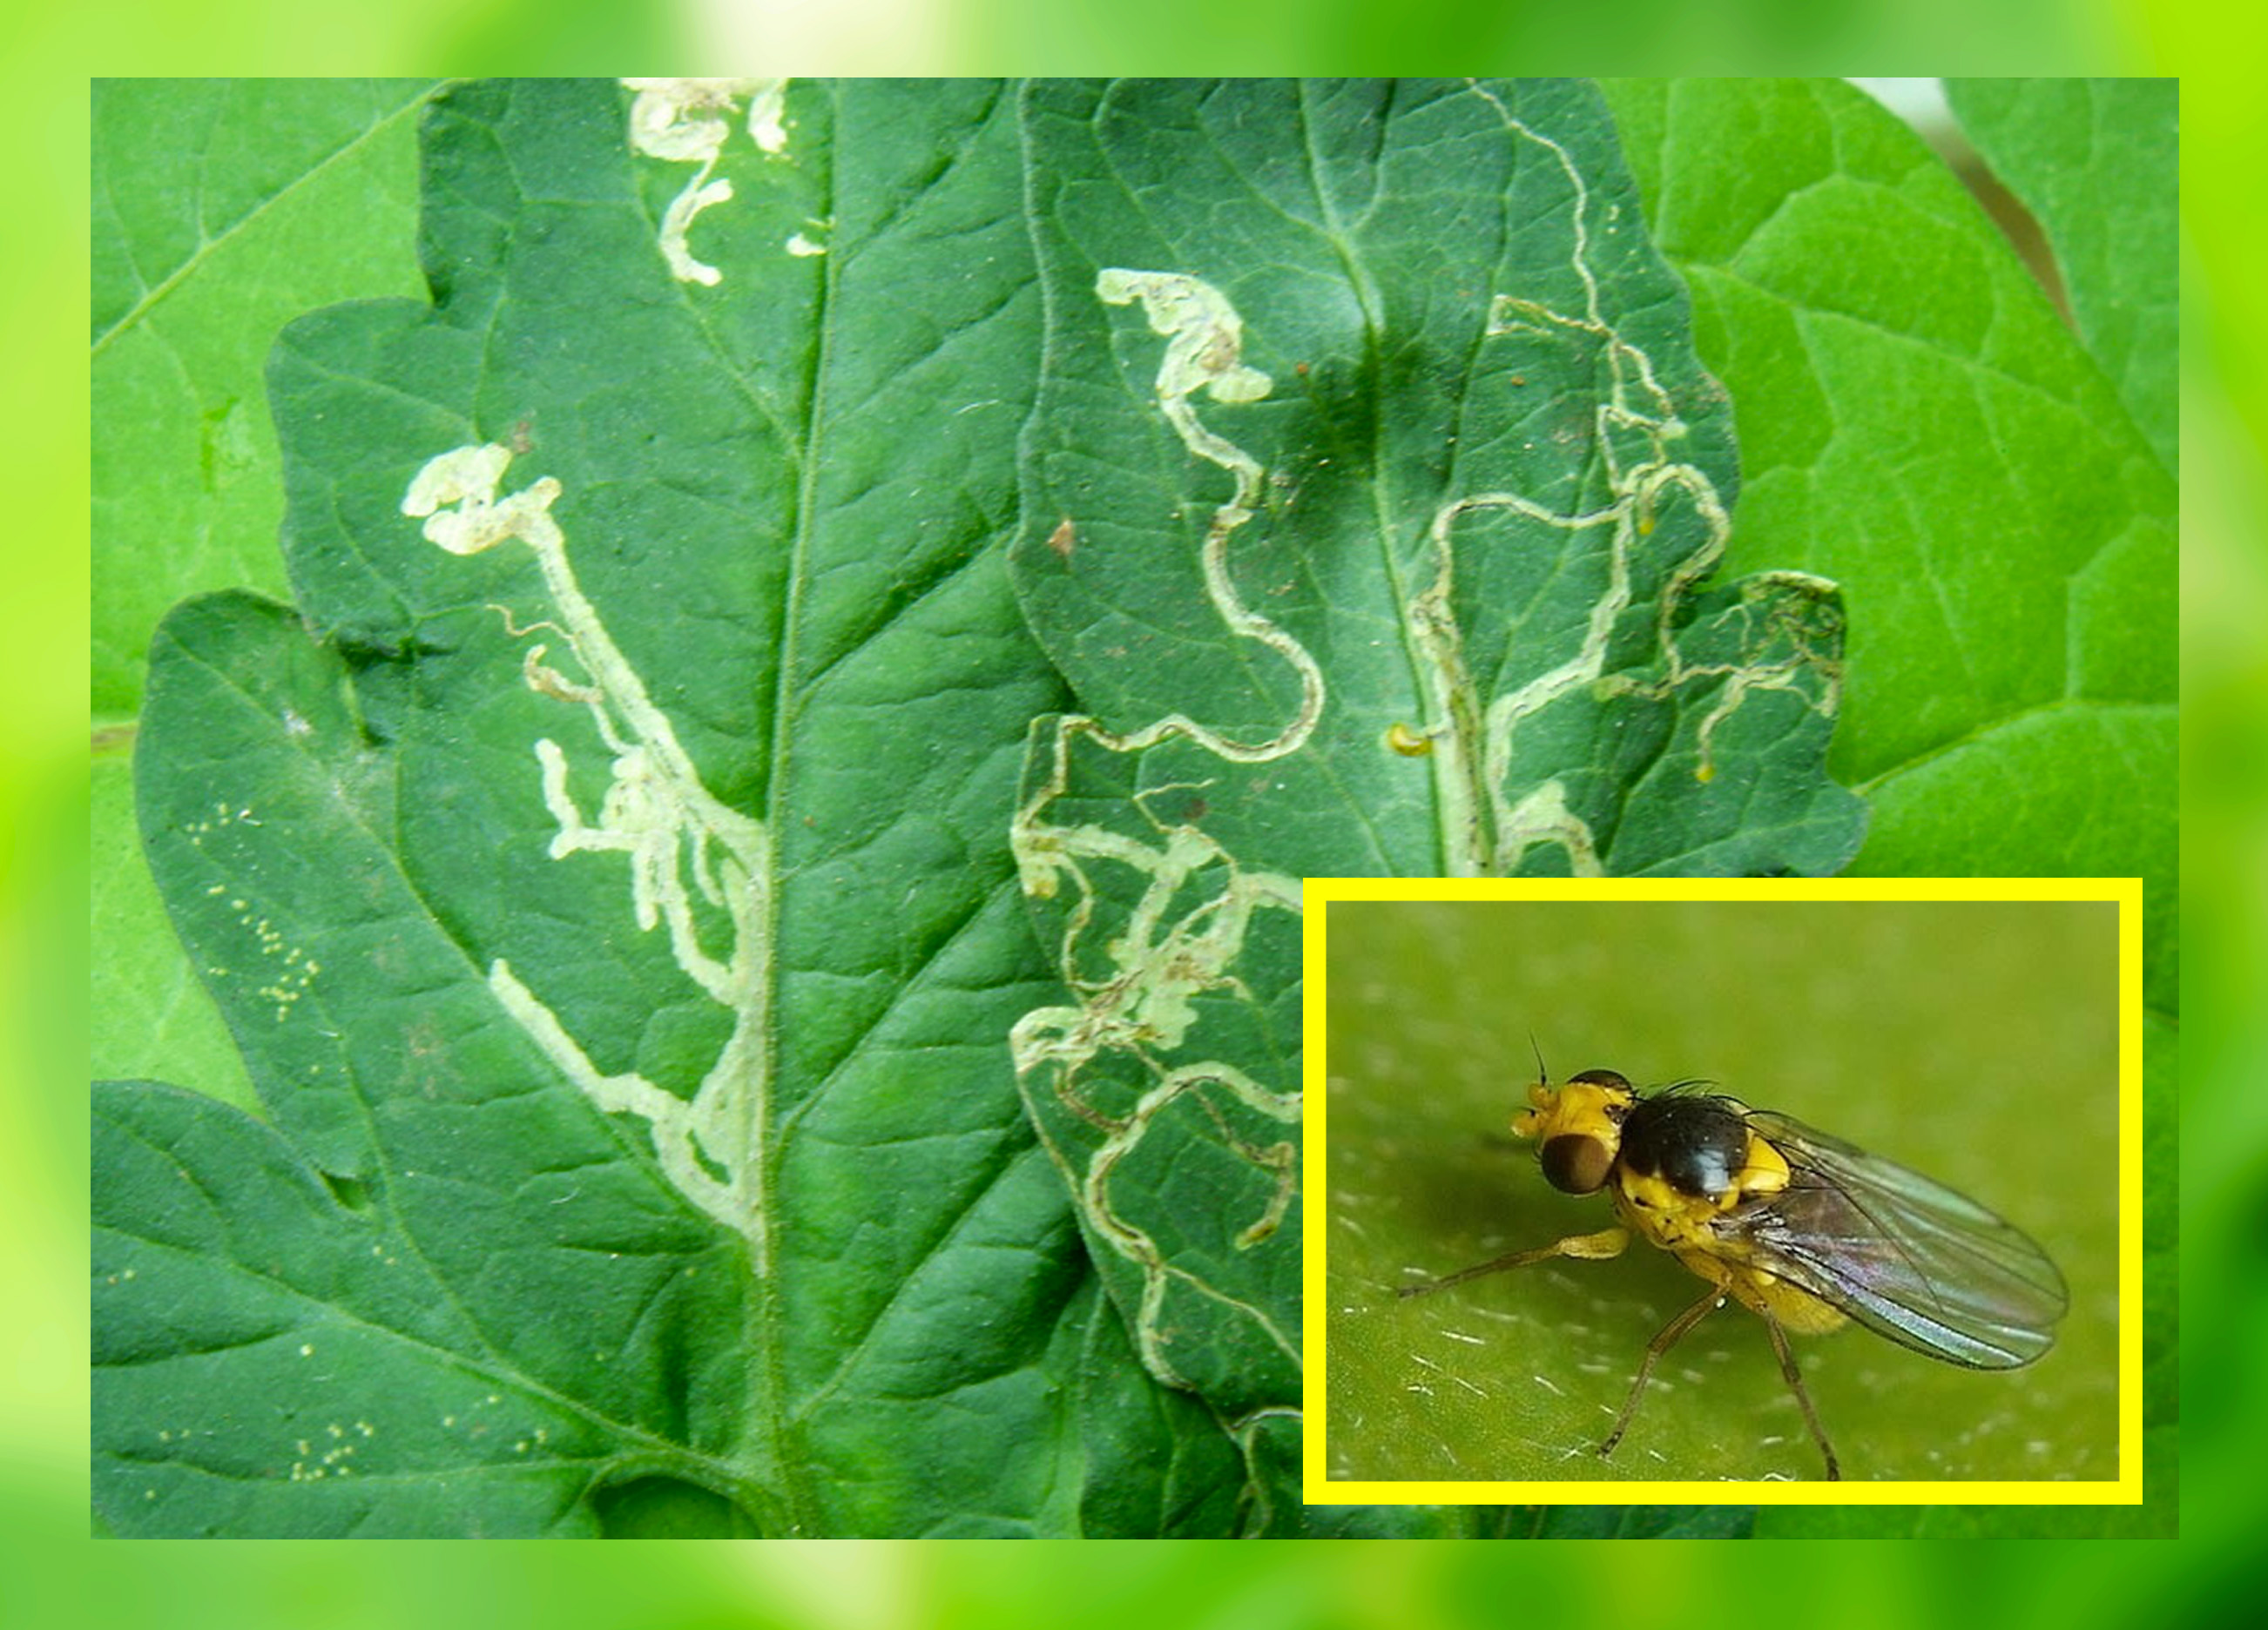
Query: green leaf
(611, 905)
(222, 208)
(1392, 421)
(147, 1009)
(1369, 507)
(1943, 1036)
(787, 524)
(2095, 160)
(1917, 424)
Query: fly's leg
(1598, 1247)
(1795, 1385)
(1668, 1338)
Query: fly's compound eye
(1614, 1080)
(1576, 1163)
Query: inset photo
(1751, 1192)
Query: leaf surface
(222, 208)
(610, 904)
(1370, 509)
(1920, 424)
(2095, 161)
(616, 905)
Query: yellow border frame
(2125, 1489)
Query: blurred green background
(2220, 50)
(1944, 1035)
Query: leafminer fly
(1804, 1230)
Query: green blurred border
(2220, 52)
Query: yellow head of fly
(1579, 1127)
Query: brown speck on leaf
(1196, 810)
(1064, 538)
(522, 439)
(1519, 379)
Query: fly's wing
(1907, 1257)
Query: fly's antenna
(1541, 1074)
